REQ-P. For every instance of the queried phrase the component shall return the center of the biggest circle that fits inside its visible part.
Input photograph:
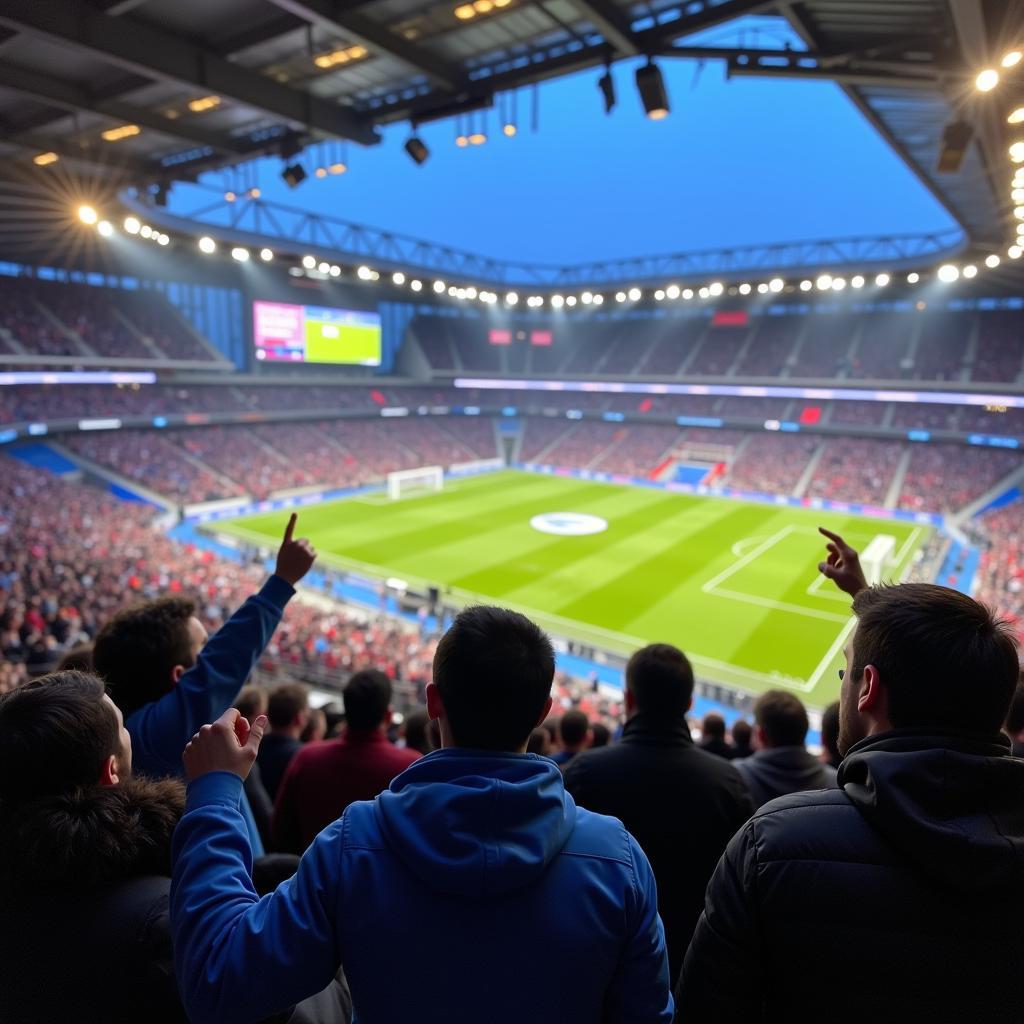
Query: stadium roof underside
(151, 91)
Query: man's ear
(630, 701)
(108, 773)
(176, 673)
(435, 706)
(544, 714)
(871, 697)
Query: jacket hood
(786, 769)
(89, 837)
(477, 823)
(950, 803)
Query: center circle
(569, 524)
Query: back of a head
(285, 703)
(1015, 716)
(367, 699)
(660, 678)
(830, 732)
(494, 669)
(416, 731)
(782, 719)
(945, 660)
(251, 702)
(136, 652)
(742, 733)
(56, 734)
(539, 742)
(77, 659)
(602, 735)
(573, 728)
(713, 727)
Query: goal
(877, 557)
(426, 478)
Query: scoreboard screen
(284, 333)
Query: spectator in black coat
(574, 736)
(251, 703)
(898, 896)
(742, 738)
(288, 711)
(781, 763)
(712, 737)
(1014, 727)
(680, 803)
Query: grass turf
(734, 584)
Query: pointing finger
(290, 528)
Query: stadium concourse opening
(467, 478)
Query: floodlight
(651, 87)
(634, 294)
(240, 254)
(948, 273)
(87, 215)
(987, 80)
(294, 175)
(992, 261)
(105, 228)
(132, 225)
(207, 245)
(266, 255)
(417, 150)
(882, 280)
(309, 262)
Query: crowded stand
(945, 477)
(824, 350)
(769, 352)
(24, 322)
(1000, 576)
(853, 469)
(637, 451)
(718, 351)
(770, 464)
(998, 356)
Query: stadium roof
(159, 90)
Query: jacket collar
(652, 731)
(907, 741)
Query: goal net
(877, 557)
(426, 478)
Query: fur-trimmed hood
(89, 837)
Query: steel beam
(141, 49)
(612, 22)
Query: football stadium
(519, 440)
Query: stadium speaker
(294, 175)
(651, 87)
(956, 137)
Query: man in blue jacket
(168, 678)
(473, 885)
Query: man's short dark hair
(602, 735)
(741, 733)
(660, 677)
(285, 703)
(573, 727)
(77, 659)
(713, 726)
(137, 650)
(494, 669)
(416, 729)
(367, 699)
(56, 734)
(830, 733)
(1015, 716)
(945, 660)
(782, 718)
(251, 701)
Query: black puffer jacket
(898, 897)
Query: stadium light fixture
(207, 245)
(659, 295)
(634, 294)
(776, 284)
(477, 138)
(266, 254)
(672, 291)
(320, 172)
(838, 284)
(163, 239)
(398, 277)
(416, 285)
(309, 262)
(146, 231)
(557, 301)
(337, 168)
(607, 86)
(882, 280)
(987, 80)
(913, 277)
(45, 159)
(587, 298)
(254, 192)
(704, 292)
(509, 129)
(132, 225)
(857, 281)
(105, 228)
(598, 300)
(1015, 116)
(364, 273)
(87, 214)
(240, 254)
(824, 282)
(687, 294)
(620, 296)
(1017, 152)
(1012, 59)
(744, 288)
(511, 299)
(417, 150)
(1018, 212)
(1017, 195)
(229, 197)
(948, 273)
(439, 287)
(335, 270)
(570, 301)
(293, 175)
(452, 291)
(323, 267)
(806, 286)
(651, 87)
(992, 261)
(762, 288)
(1014, 252)
(970, 271)
(716, 289)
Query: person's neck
(293, 732)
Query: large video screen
(284, 333)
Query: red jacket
(324, 778)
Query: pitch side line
(747, 559)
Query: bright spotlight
(1017, 152)
(634, 294)
(744, 288)
(1012, 59)
(776, 284)
(651, 87)
(416, 286)
(716, 289)
(557, 301)
(824, 282)
(970, 271)
(335, 270)
(470, 292)
(857, 281)
(325, 268)
(207, 245)
(1015, 116)
(687, 294)
(987, 80)
(87, 215)
(659, 295)
(838, 284)
(704, 292)
(620, 296)
(913, 277)
(992, 261)
(948, 273)
(240, 254)
(882, 280)
(132, 225)
(806, 286)
(309, 262)
(398, 277)
(587, 298)
(570, 301)
(439, 287)
(163, 239)
(105, 228)
(1014, 252)
(452, 291)
(672, 291)
(598, 300)
(1017, 195)
(266, 255)
(146, 231)
(511, 299)
(762, 288)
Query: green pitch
(734, 584)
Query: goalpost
(429, 478)
(877, 557)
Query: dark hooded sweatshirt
(778, 771)
(897, 897)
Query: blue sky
(744, 161)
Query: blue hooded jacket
(472, 890)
